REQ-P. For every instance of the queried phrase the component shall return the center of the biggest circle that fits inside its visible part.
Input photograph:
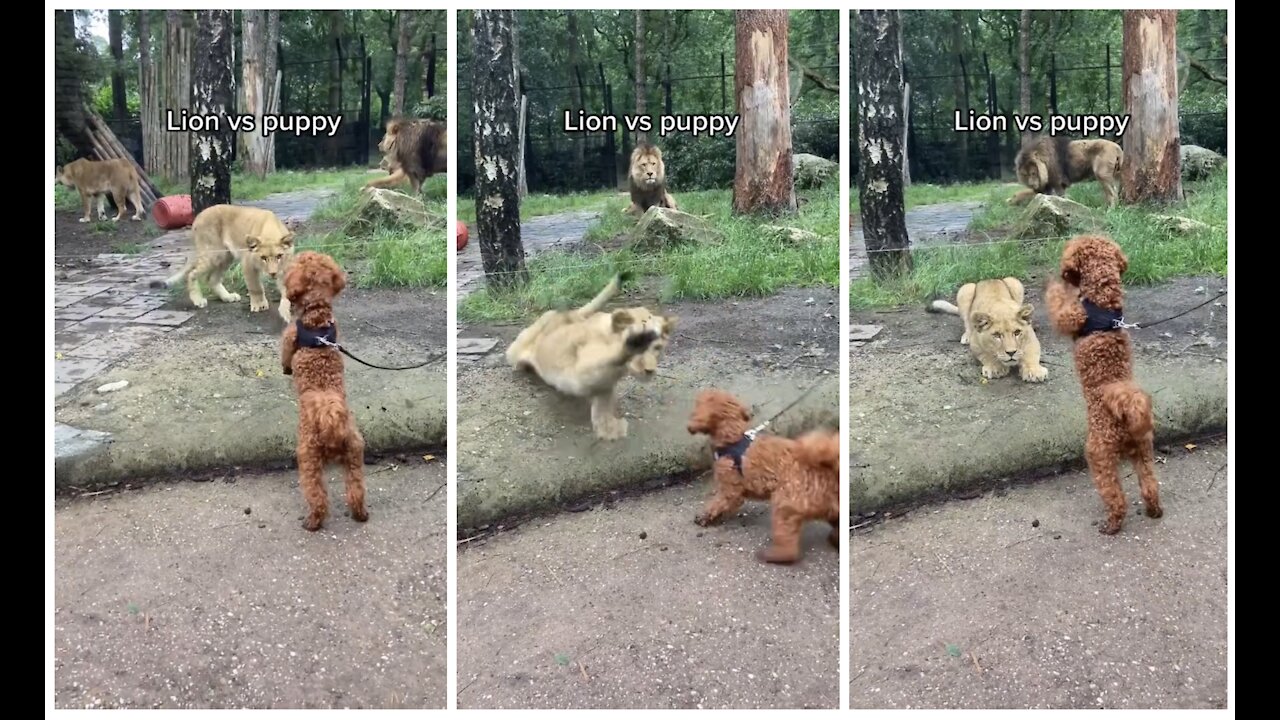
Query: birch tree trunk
(762, 181)
(1152, 168)
(880, 192)
(493, 87)
(212, 91)
(271, 80)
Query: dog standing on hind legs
(327, 429)
(799, 477)
(1087, 305)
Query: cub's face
(1004, 338)
(273, 253)
(645, 365)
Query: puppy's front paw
(1155, 511)
(705, 519)
(772, 554)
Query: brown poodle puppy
(1087, 305)
(327, 429)
(800, 477)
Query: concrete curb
(1188, 402)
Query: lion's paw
(1037, 373)
(991, 373)
(258, 305)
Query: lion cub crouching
(222, 234)
(997, 328)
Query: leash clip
(1122, 325)
(751, 434)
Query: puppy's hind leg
(311, 480)
(1144, 463)
(355, 476)
(1104, 467)
(786, 536)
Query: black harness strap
(308, 337)
(735, 451)
(1099, 319)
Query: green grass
(538, 205)
(926, 194)
(1155, 253)
(748, 261)
(378, 255)
(243, 187)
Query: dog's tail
(819, 449)
(942, 306)
(326, 413)
(1129, 404)
(604, 296)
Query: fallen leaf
(428, 458)
(953, 651)
(57, 356)
(259, 373)
(1190, 446)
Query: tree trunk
(255, 90)
(69, 83)
(175, 147)
(119, 99)
(1024, 65)
(402, 62)
(429, 60)
(642, 85)
(1152, 168)
(906, 120)
(763, 181)
(148, 105)
(496, 149)
(960, 83)
(272, 80)
(212, 89)
(880, 191)
(575, 91)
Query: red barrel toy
(173, 212)
(462, 235)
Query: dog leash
(755, 430)
(349, 354)
(1137, 326)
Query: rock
(475, 346)
(811, 171)
(1051, 216)
(382, 207)
(114, 386)
(862, 333)
(660, 228)
(790, 234)
(1179, 225)
(1199, 163)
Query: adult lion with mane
(647, 180)
(997, 328)
(1050, 165)
(412, 149)
(96, 178)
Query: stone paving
(538, 235)
(105, 309)
(926, 225)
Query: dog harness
(316, 337)
(1100, 319)
(735, 451)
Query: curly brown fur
(327, 429)
(647, 180)
(799, 477)
(414, 150)
(1121, 422)
(1050, 165)
(95, 179)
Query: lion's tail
(818, 449)
(609, 291)
(177, 277)
(1129, 404)
(325, 413)
(942, 306)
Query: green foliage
(1155, 252)
(433, 108)
(749, 261)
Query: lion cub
(222, 234)
(997, 328)
(96, 178)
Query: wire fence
(938, 154)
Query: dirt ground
(632, 605)
(75, 241)
(210, 594)
(1012, 599)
